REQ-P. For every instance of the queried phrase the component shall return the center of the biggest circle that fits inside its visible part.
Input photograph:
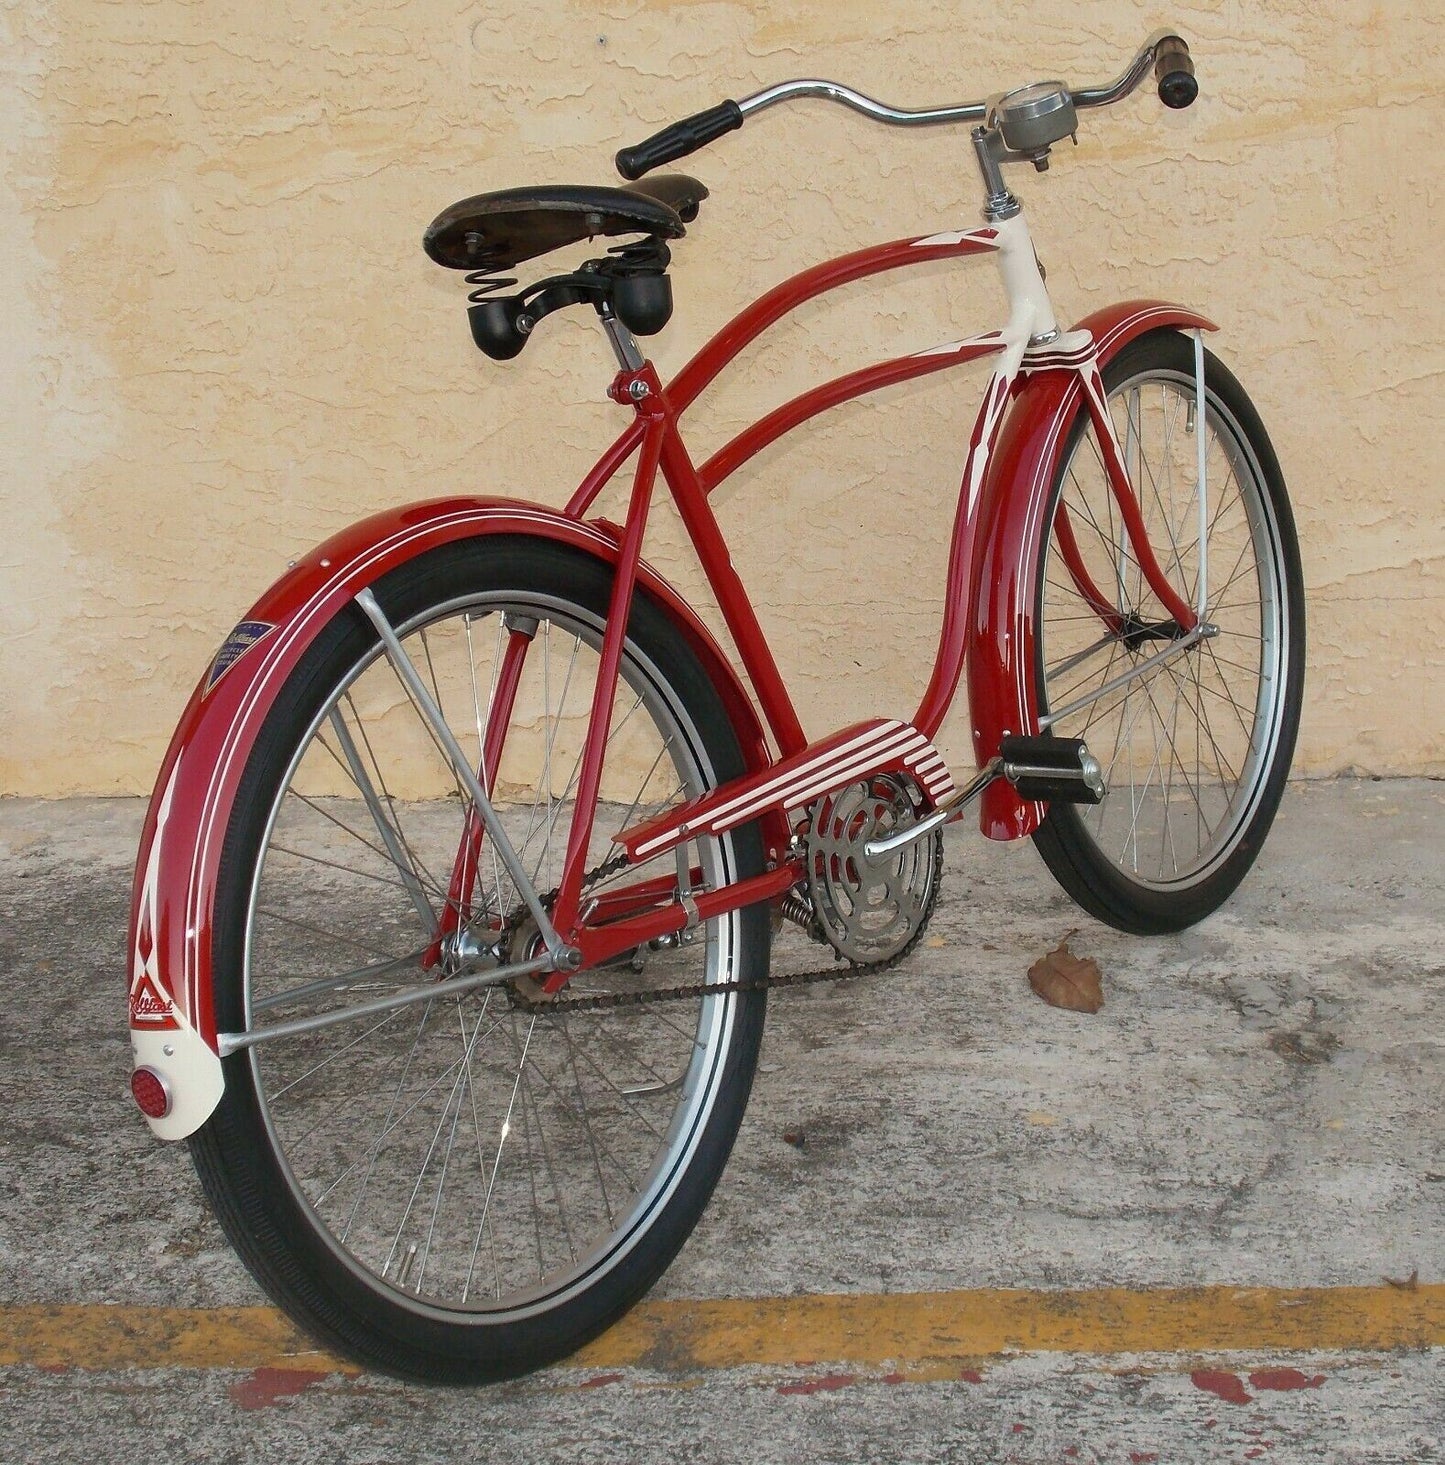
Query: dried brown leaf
(1405, 1284)
(1065, 980)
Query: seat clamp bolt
(637, 389)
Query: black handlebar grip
(679, 139)
(1174, 71)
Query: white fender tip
(191, 1072)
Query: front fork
(1123, 490)
(1032, 317)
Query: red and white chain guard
(859, 752)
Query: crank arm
(948, 810)
(1039, 768)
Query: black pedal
(1053, 768)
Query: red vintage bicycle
(453, 910)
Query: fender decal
(150, 1004)
(245, 635)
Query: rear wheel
(1195, 739)
(470, 1187)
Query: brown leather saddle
(494, 231)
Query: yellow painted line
(915, 1333)
(926, 1327)
(101, 1336)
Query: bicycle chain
(683, 993)
(693, 989)
(601, 872)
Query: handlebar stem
(988, 148)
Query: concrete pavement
(1256, 1107)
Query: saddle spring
(484, 281)
(642, 257)
(641, 290)
(632, 280)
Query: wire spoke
(483, 1153)
(1181, 743)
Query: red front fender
(1002, 693)
(172, 1019)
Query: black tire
(1196, 749)
(554, 1164)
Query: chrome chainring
(871, 912)
(872, 921)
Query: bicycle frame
(1041, 380)
(1029, 344)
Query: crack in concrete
(1232, 1203)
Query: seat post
(624, 343)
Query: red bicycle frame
(1042, 380)
(642, 912)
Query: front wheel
(474, 1185)
(1194, 737)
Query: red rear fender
(171, 1011)
(1003, 696)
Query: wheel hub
(1136, 630)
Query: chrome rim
(1187, 741)
(466, 1155)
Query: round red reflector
(151, 1093)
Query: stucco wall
(222, 341)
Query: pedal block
(1053, 768)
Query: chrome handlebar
(1132, 75)
(1164, 51)
(1126, 82)
(834, 91)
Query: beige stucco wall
(221, 340)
